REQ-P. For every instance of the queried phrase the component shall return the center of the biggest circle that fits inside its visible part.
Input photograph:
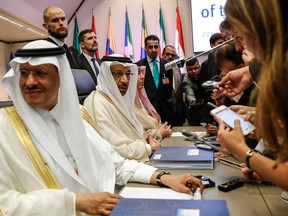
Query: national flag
(162, 31)
(128, 52)
(179, 42)
(94, 30)
(144, 34)
(110, 44)
(76, 44)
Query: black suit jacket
(87, 66)
(160, 98)
(73, 60)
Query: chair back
(84, 83)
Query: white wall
(3, 67)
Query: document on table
(157, 193)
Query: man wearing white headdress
(112, 108)
(52, 162)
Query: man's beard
(58, 35)
(92, 49)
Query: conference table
(251, 199)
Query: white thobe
(22, 191)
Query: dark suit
(160, 98)
(73, 60)
(86, 65)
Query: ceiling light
(32, 30)
(11, 21)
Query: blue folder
(162, 207)
(183, 157)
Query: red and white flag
(94, 30)
(179, 42)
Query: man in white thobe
(52, 162)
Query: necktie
(95, 66)
(155, 73)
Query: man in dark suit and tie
(56, 24)
(158, 82)
(89, 45)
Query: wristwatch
(158, 178)
(249, 154)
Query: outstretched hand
(179, 183)
(235, 82)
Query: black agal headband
(116, 58)
(41, 52)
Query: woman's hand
(232, 139)
(96, 204)
(247, 56)
(251, 174)
(248, 113)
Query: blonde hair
(265, 24)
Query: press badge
(165, 80)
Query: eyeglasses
(151, 47)
(39, 74)
(120, 74)
(170, 54)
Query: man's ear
(82, 45)
(45, 25)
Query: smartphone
(207, 182)
(230, 163)
(228, 117)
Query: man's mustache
(123, 84)
(35, 87)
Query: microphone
(181, 61)
(175, 63)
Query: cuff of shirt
(149, 149)
(143, 174)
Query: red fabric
(94, 30)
